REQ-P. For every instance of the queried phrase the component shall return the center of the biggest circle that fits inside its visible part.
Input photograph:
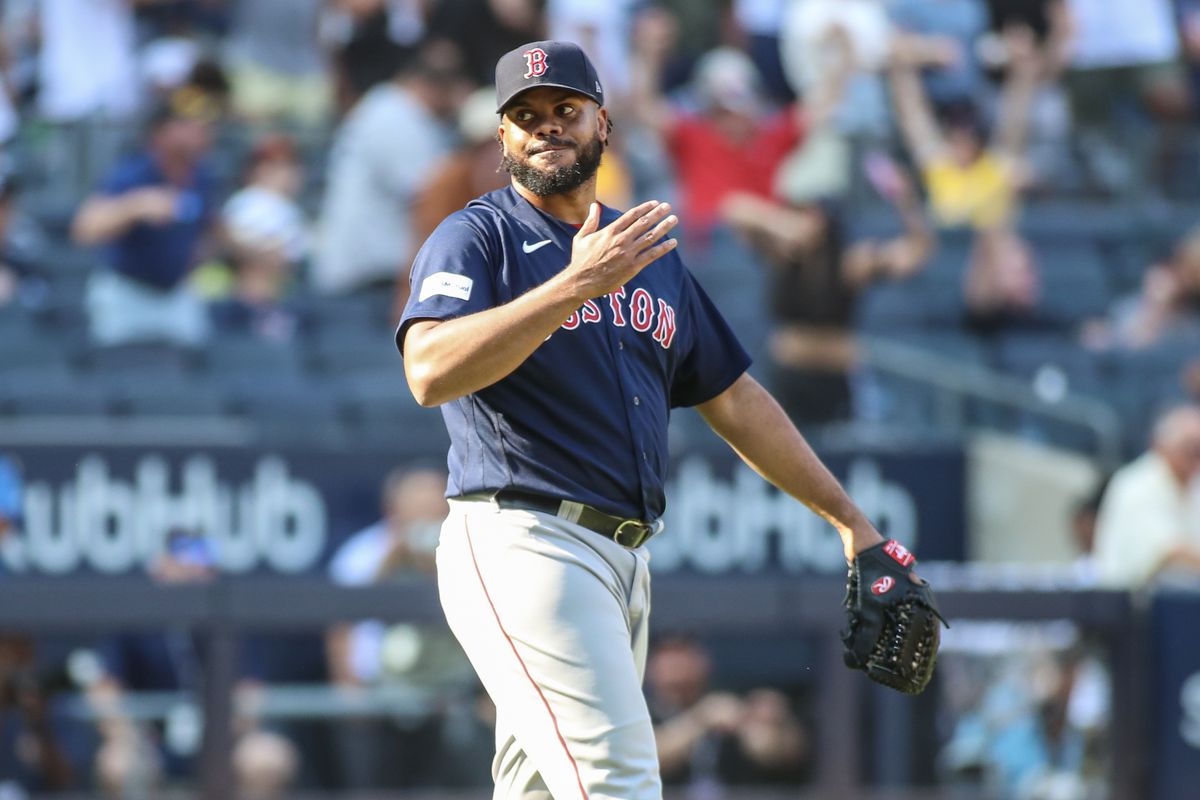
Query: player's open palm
(604, 259)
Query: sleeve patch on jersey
(446, 284)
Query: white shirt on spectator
(761, 17)
(88, 64)
(1143, 515)
(809, 22)
(807, 62)
(601, 27)
(1117, 33)
(259, 218)
(8, 117)
(356, 563)
(380, 158)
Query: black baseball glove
(893, 632)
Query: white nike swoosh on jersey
(529, 248)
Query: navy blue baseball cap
(549, 63)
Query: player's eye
(566, 110)
(522, 115)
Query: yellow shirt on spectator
(980, 195)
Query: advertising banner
(1175, 754)
(108, 510)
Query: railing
(958, 383)
(782, 606)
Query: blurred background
(961, 239)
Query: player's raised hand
(604, 259)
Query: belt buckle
(632, 533)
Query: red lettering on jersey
(572, 322)
(664, 334)
(614, 302)
(590, 311)
(641, 308)
(535, 62)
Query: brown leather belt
(631, 533)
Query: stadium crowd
(232, 191)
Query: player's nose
(547, 126)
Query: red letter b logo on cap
(535, 62)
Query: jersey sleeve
(453, 274)
(714, 357)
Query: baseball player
(557, 334)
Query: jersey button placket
(637, 401)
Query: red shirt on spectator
(709, 165)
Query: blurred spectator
(959, 24)
(276, 66)
(25, 686)
(1028, 727)
(12, 266)
(152, 214)
(970, 180)
(167, 60)
(377, 752)
(1002, 285)
(820, 166)
(36, 762)
(708, 740)
(1189, 30)
(88, 64)
(267, 236)
(810, 31)
(486, 29)
(1124, 51)
(1084, 514)
(759, 21)
(1034, 14)
(1166, 308)
(817, 274)
(132, 760)
(732, 142)
(466, 173)
(8, 94)
(1124, 58)
(19, 35)
(1149, 522)
(369, 39)
(381, 155)
(602, 29)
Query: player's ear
(602, 125)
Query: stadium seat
(188, 397)
(383, 413)
(346, 349)
(150, 358)
(368, 309)
(241, 355)
(31, 381)
(53, 390)
(1028, 355)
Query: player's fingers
(650, 254)
(646, 222)
(592, 222)
(657, 232)
(632, 215)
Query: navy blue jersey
(584, 418)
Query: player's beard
(556, 180)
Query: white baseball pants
(554, 619)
